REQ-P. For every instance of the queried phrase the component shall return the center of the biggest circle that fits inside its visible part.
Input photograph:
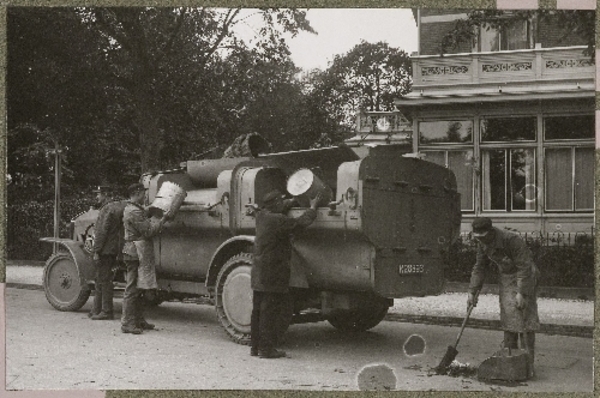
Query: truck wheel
(61, 283)
(233, 301)
(357, 320)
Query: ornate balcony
(502, 66)
(492, 76)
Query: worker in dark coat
(518, 279)
(270, 275)
(137, 253)
(108, 240)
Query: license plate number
(405, 269)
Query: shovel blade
(450, 355)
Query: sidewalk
(565, 316)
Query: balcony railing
(537, 64)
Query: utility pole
(57, 171)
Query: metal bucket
(305, 185)
(506, 365)
(168, 199)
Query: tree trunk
(147, 123)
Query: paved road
(48, 349)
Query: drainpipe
(418, 31)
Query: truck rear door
(410, 212)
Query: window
(569, 127)
(513, 36)
(461, 164)
(509, 180)
(569, 179)
(508, 129)
(446, 131)
(569, 169)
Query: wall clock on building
(383, 124)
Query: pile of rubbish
(456, 369)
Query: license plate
(408, 269)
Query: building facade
(512, 114)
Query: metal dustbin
(505, 365)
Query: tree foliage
(370, 77)
(126, 90)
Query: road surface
(48, 349)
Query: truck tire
(233, 301)
(62, 285)
(357, 320)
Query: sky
(340, 29)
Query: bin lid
(300, 182)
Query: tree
(54, 93)
(370, 76)
(155, 54)
(580, 23)
(135, 83)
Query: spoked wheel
(358, 320)
(234, 297)
(62, 285)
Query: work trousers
(511, 340)
(103, 294)
(267, 313)
(133, 308)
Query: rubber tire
(235, 321)
(237, 268)
(358, 320)
(62, 285)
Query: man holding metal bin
(138, 254)
(270, 275)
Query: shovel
(451, 352)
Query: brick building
(512, 114)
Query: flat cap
(101, 189)
(135, 188)
(271, 197)
(481, 226)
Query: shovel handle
(469, 310)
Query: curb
(473, 323)
(26, 286)
(554, 292)
(490, 324)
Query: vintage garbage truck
(383, 235)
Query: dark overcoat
(108, 229)
(273, 249)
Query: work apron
(147, 268)
(511, 318)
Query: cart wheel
(62, 285)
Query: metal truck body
(382, 237)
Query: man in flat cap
(270, 275)
(108, 240)
(138, 254)
(518, 278)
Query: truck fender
(227, 249)
(84, 262)
(239, 244)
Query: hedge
(559, 264)
(28, 221)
